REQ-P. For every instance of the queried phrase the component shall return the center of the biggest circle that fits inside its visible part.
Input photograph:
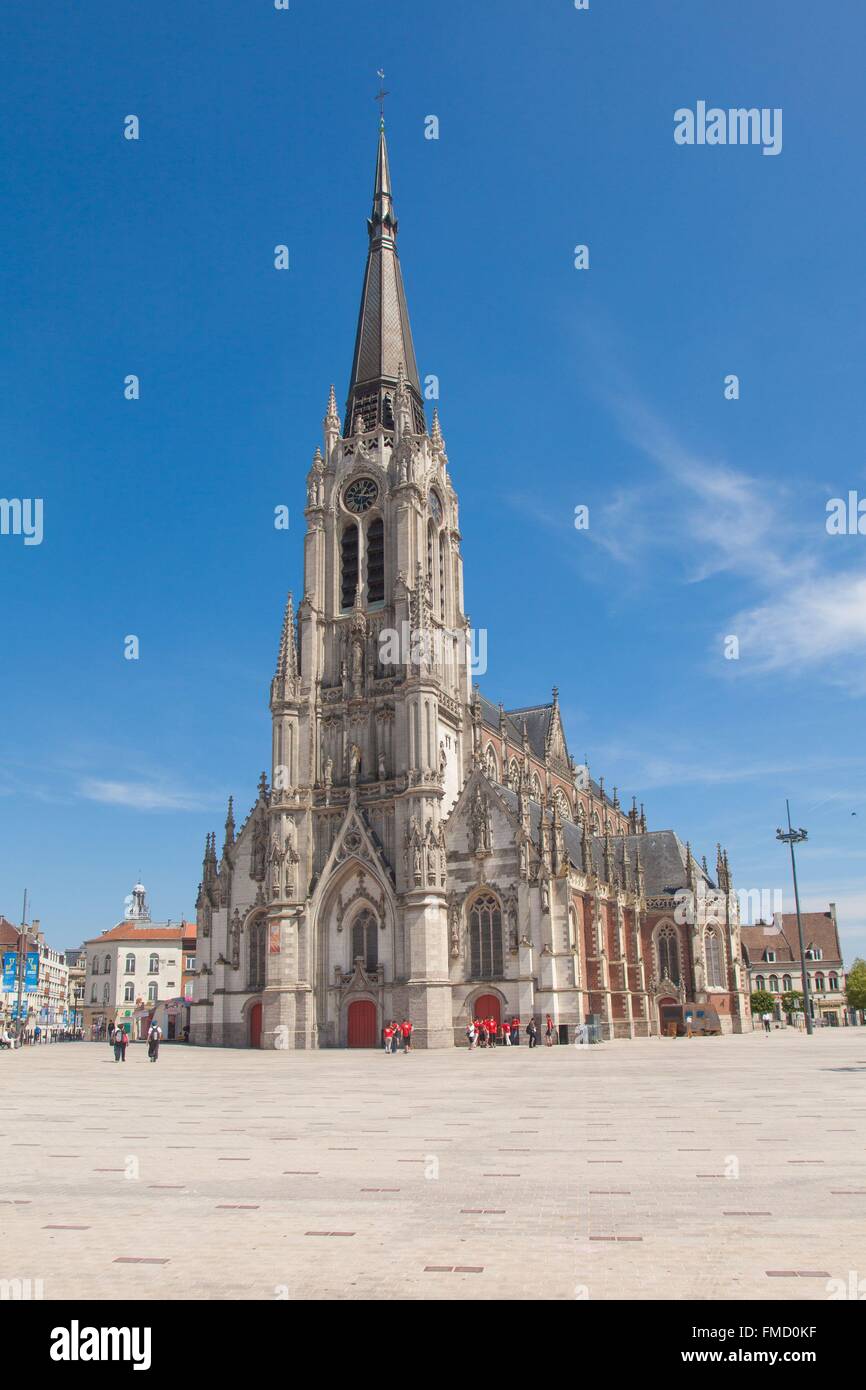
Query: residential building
(771, 954)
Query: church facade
(418, 851)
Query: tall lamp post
(792, 837)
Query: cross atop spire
(384, 339)
(380, 97)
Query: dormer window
(770, 955)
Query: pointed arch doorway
(488, 1006)
(362, 1030)
(256, 1025)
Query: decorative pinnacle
(287, 659)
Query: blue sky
(558, 387)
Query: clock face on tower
(360, 495)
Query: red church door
(488, 1006)
(362, 1024)
(256, 1025)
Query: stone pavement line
(146, 1201)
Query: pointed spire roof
(383, 343)
(287, 657)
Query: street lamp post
(792, 837)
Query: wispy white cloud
(141, 796)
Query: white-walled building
(134, 965)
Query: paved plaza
(708, 1168)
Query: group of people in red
(487, 1032)
(394, 1033)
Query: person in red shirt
(406, 1030)
(388, 1035)
(481, 1025)
(492, 1027)
(515, 1031)
(506, 1033)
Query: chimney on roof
(833, 912)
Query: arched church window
(485, 938)
(669, 955)
(491, 767)
(348, 565)
(596, 824)
(256, 955)
(365, 939)
(376, 561)
(441, 574)
(715, 974)
(563, 803)
(536, 787)
(514, 774)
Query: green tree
(792, 1002)
(763, 1002)
(855, 988)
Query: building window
(190, 963)
(514, 774)
(256, 955)
(105, 994)
(774, 984)
(669, 955)
(153, 967)
(819, 984)
(485, 938)
(376, 561)
(786, 983)
(770, 956)
(129, 992)
(442, 575)
(152, 991)
(130, 964)
(107, 968)
(348, 566)
(365, 939)
(93, 994)
(759, 982)
(715, 972)
(94, 966)
(834, 982)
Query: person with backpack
(119, 1039)
(532, 1032)
(153, 1036)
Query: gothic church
(418, 850)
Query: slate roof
(537, 719)
(662, 853)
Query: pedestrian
(506, 1033)
(124, 1039)
(515, 1030)
(153, 1038)
(388, 1034)
(493, 1029)
(406, 1030)
(117, 1040)
(471, 1035)
(548, 1032)
(485, 1033)
(767, 1021)
(532, 1033)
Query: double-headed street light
(794, 837)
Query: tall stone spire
(287, 657)
(383, 343)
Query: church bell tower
(370, 696)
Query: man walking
(532, 1032)
(118, 1039)
(153, 1037)
(406, 1030)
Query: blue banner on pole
(10, 971)
(31, 970)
